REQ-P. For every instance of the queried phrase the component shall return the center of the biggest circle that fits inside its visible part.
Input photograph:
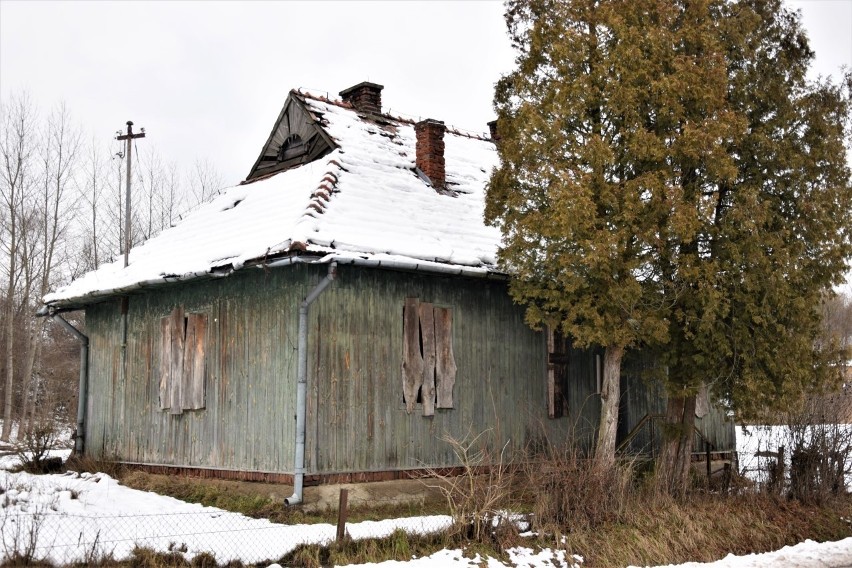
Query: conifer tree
(668, 179)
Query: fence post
(342, 512)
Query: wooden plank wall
(641, 394)
(356, 409)
(357, 420)
(247, 422)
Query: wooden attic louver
(296, 139)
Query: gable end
(297, 138)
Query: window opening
(558, 355)
(292, 147)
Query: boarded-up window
(557, 373)
(428, 364)
(182, 362)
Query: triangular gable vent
(296, 139)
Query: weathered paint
(357, 419)
(642, 394)
(247, 422)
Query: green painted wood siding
(247, 422)
(356, 407)
(356, 418)
(642, 393)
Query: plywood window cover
(183, 370)
(428, 364)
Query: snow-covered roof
(362, 200)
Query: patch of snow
(808, 554)
(70, 514)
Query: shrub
(33, 448)
(479, 497)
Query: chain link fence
(60, 538)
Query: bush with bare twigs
(478, 499)
(34, 446)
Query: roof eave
(290, 257)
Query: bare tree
(204, 182)
(160, 193)
(113, 235)
(53, 214)
(17, 146)
(91, 191)
(172, 198)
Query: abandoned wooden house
(333, 317)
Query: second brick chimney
(492, 129)
(365, 97)
(430, 151)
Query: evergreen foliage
(669, 178)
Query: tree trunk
(10, 366)
(10, 335)
(610, 396)
(30, 391)
(675, 459)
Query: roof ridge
(387, 115)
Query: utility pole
(129, 137)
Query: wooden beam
(445, 366)
(412, 359)
(427, 335)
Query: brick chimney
(365, 97)
(430, 151)
(492, 128)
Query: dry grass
(654, 532)
(253, 500)
(86, 463)
(612, 518)
(707, 528)
(398, 546)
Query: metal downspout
(302, 386)
(80, 439)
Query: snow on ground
(13, 461)
(808, 554)
(79, 516)
(74, 514)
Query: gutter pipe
(302, 386)
(65, 305)
(301, 392)
(80, 439)
(402, 265)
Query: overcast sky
(208, 79)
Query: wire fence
(802, 457)
(42, 535)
